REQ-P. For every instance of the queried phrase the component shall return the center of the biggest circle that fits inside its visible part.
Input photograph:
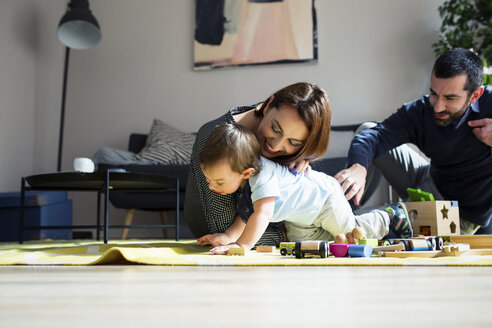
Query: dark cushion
(330, 166)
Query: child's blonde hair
(234, 142)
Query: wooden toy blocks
(265, 249)
(236, 251)
(434, 218)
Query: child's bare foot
(340, 239)
(356, 233)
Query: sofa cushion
(167, 145)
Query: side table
(113, 180)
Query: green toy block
(417, 195)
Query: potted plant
(467, 24)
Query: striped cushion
(167, 145)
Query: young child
(312, 205)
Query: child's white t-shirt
(299, 198)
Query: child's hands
(222, 249)
(216, 239)
(300, 166)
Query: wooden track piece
(390, 248)
(475, 241)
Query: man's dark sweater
(461, 164)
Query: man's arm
(375, 141)
(483, 130)
(353, 178)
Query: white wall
(373, 56)
(18, 53)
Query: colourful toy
(318, 247)
(417, 244)
(434, 218)
(372, 242)
(417, 195)
(360, 251)
(287, 248)
(339, 250)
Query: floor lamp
(78, 29)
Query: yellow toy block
(371, 242)
(265, 249)
(434, 218)
(236, 251)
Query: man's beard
(453, 117)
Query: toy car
(318, 247)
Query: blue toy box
(40, 208)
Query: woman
(292, 127)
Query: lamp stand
(62, 114)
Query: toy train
(418, 243)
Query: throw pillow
(167, 145)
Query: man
(452, 126)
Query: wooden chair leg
(164, 221)
(128, 221)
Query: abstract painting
(254, 32)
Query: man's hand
(483, 130)
(353, 178)
(216, 239)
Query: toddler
(312, 205)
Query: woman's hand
(216, 239)
(300, 166)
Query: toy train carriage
(419, 243)
(317, 247)
(287, 248)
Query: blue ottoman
(40, 208)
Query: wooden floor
(158, 296)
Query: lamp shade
(78, 28)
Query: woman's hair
(234, 142)
(313, 107)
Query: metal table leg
(21, 221)
(177, 208)
(98, 230)
(106, 200)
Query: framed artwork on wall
(254, 32)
